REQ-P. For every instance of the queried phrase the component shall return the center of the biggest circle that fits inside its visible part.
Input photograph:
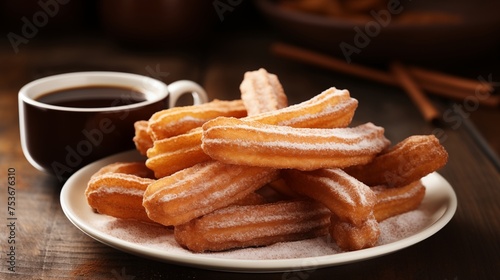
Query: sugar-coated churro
(117, 190)
(201, 189)
(174, 121)
(242, 142)
(404, 163)
(262, 92)
(254, 225)
(347, 198)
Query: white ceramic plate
(153, 242)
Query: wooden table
(48, 246)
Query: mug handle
(178, 88)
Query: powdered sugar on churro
(357, 195)
(327, 111)
(120, 190)
(235, 141)
(152, 236)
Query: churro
(142, 139)
(350, 237)
(395, 201)
(254, 225)
(173, 154)
(242, 142)
(117, 190)
(404, 163)
(347, 198)
(262, 92)
(174, 121)
(201, 189)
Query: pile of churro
(256, 171)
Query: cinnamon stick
(442, 79)
(459, 94)
(429, 112)
(438, 86)
(332, 63)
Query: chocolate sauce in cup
(70, 120)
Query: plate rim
(245, 265)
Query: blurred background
(444, 34)
(184, 39)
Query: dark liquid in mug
(93, 97)
(64, 141)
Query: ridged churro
(174, 121)
(117, 190)
(395, 201)
(242, 142)
(350, 237)
(142, 139)
(254, 225)
(262, 92)
(331, 108)
(347, 198)
(170, 155)
(404, 163)
(201, 189)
